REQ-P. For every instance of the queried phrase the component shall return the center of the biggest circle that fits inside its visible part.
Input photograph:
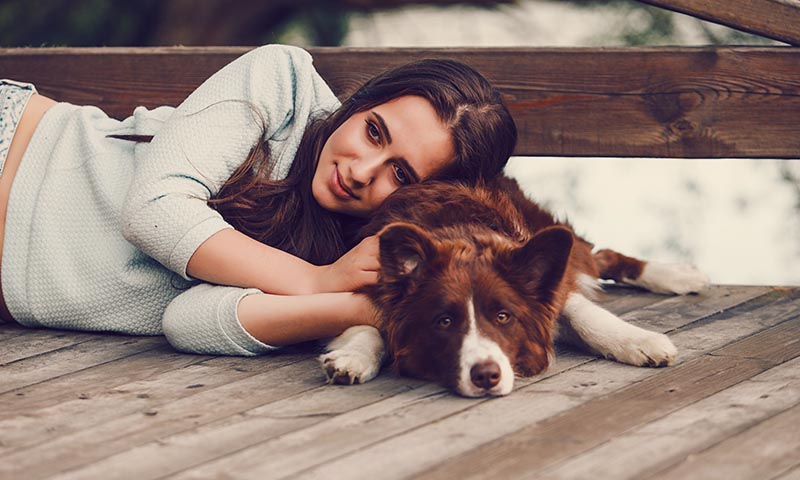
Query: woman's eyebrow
(383, 127)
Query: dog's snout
(485, 374)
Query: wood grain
(724, 102)
(776, 19)
(422, 433)
(464, 435)
(675, 438)
(535, 447)
(765, 451)
(183, 416)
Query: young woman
(227, 231)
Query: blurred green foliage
(80, 23)
(38, 23)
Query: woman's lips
(339, 188)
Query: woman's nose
(364, 170)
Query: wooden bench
(97, 405)
(703, 102)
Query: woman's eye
(400, 175)
(373, 132)
(503, 318)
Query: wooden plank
(704, 102)
(670, 440)
(83, 351)
(170, 455)
(32, 343)
(624, 299)
(131, 420)
(105, 372)
(424, 442)
(672, 311)
(142, 395)
(776, 19)
(765, 451)
(213, 439)
(8, 330)
(540, 445)
(121, 434)
(327, 443)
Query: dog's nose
(485, 374)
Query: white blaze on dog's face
(483, 366)
(466, 312)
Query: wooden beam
(616, 102)
(775, 19)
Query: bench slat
(696, 102)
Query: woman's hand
(354, 269)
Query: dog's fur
(477, 282)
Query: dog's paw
(672, 278)
(349, 367)
(647, 349)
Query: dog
(477, 282)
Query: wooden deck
(76, 405)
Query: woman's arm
(270, 94)
(230, 257)
(284, 320)
(223, 320)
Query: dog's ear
(539, 265)
(404, 248)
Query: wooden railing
(704, 102)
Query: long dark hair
(285, 215)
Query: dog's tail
(670, 278)
(618, 267)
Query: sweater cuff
(191, 241)
(204, 320)
(228, 315)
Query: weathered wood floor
(92, 406)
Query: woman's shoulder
(292, 55)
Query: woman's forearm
(230, 257)
(284, 320)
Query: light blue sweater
(99, 231)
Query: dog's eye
(503, 318)
(444, 322)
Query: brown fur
(442, 243)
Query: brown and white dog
(477, 282)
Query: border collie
(475, 285)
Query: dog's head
(468, 308)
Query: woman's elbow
(203, 320)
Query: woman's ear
(404, 249)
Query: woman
(226, 231)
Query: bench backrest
(704, 102)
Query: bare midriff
(34, 111)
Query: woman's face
(376, 151)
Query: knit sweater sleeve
(268, 94)
(203, 320)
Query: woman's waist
(68, 165)
(32, 114)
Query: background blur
(738, 220)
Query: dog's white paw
(349, 367)
(674, 278)
(645, 349)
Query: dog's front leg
(610, 336)
(353, 357)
